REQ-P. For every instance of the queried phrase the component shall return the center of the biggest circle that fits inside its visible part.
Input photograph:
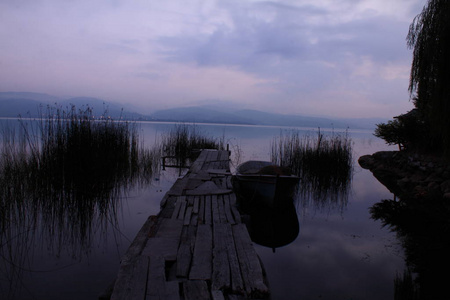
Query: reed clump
(323, 163)
(184, 142)
(66, 170)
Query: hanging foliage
(429, 37)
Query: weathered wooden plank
(224, 155)
(233, 199)
(162, 246)
(206, 166)
(139, 241)
(131, 280)
(170, 228)
(193, 183)
(225, 164)
(220, 182)
(212, 156)
(194, 219)
(177, 208)
(252, 272)
(184, 256)
(222, 216)
(156, 283)
(168, 208)
(178, 187)
(213, 165)
(221, 268)
(172, 290)
(219, 172)
(234, 210)
(201, 174)
(208, 210)
(182, 211)
(215, 209)
(227, 208)
(196, 204)
(198, 164)
(217, 295)
(201, 210)
(195, 290)
(229, 183)
(207, 188)
(187, 216)
(202, 258)
(237, 283)
(166, 240)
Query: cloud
(280, 55)
(302, 53)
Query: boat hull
(268, 190)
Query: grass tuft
(184, 143)
(66, 171)
(323, 163)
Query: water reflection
(60, 190)
(273, 227)
(423, 227)
(62, 222)
(324, 192)
(326, 260)
(324, 164)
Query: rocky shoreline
(409, 175)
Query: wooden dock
(196, 247)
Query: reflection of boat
(273, 227)
(264, 182)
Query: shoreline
(408, 174)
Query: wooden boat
(264, 182)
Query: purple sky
(340, 58)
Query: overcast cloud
(341, 58)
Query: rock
(366, 161)
(409, 174)
(445, 186)
(433, 178)
(434, 186)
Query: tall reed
(323, 163)
(64, 174)
(184, 141)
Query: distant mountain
(14, 107)
(45, 98)
(101, 107)
(265, 118)
(13, 104)
(201, 114)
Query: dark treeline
(427, 127)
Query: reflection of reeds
(183, 143)
(70, 163)
(324, 164)
(63, 174)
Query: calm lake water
(339, 253)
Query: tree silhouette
(429, 37)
